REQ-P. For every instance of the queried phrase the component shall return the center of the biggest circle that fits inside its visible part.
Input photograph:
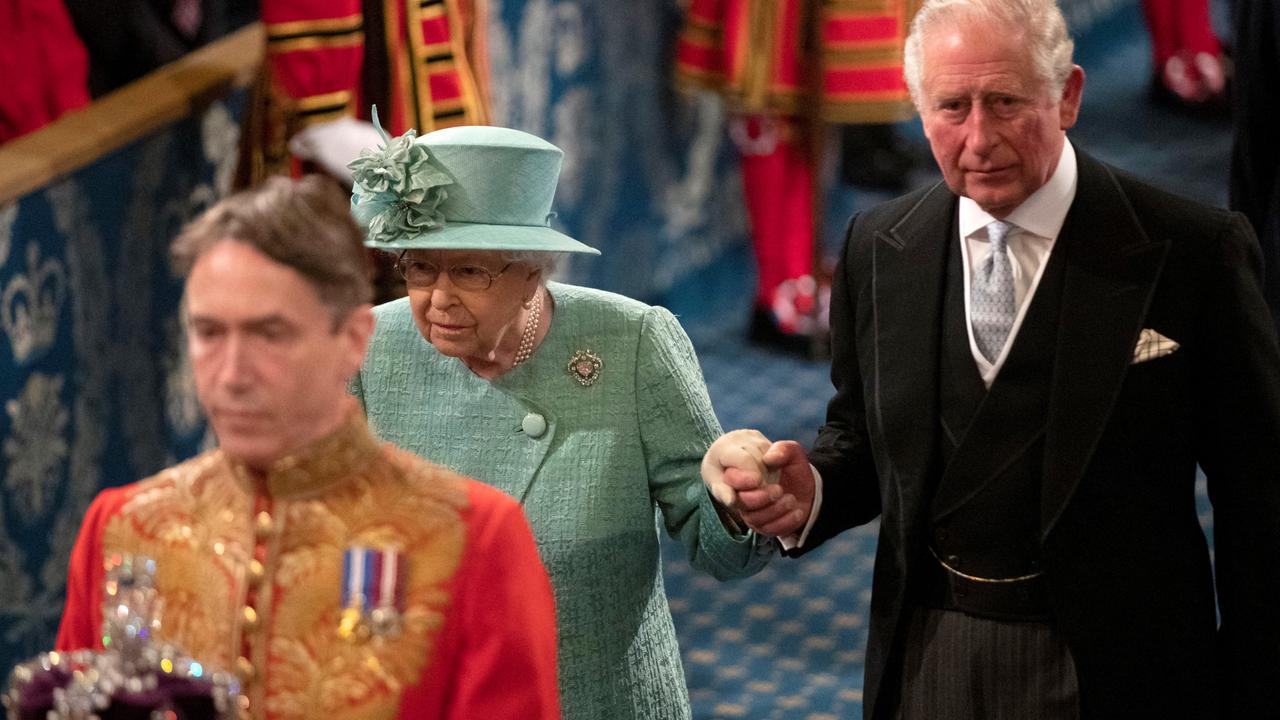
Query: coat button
(256, 571)
(533, 425)
(263, 525)
(249, 619)
(245, 669)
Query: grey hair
(1043, 28)
(304, 224)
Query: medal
(371, 589)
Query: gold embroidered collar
(316, 468)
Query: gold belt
(974, 578)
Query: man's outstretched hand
(769, 486)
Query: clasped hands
(768, 485)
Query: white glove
(742, 449)
(332, 145)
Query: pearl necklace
(525, 349)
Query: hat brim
(482, 236)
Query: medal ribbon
(370, 578)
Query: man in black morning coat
(1030, 360)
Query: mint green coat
(590, 464)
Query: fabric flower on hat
(394, 220)
(398, 188)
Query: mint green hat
(461, 188)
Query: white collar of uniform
(1040, 214)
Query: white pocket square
(1152, 345)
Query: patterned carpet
(789, 642)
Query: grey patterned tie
(992, 296)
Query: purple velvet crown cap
(84, 684)
(133, 677)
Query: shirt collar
(1040, 214)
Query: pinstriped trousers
(961, 667)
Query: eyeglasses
(423, 274)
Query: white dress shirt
(1036, 224)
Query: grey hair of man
(304, 224)
(1039, 22)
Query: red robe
(250, 576)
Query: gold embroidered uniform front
(256, 576)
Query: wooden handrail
(168, 94)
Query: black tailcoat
(1126, 562)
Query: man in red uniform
(782, 66)
(336, 576)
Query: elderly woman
(586, 406)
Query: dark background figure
(127, 39)
(1255, 157)
(876, 156)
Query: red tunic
(250, 579)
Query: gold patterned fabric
(250, 569)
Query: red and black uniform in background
(784, 67)
(420, 61)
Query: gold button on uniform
(250, 618)
(263, 524)
(256, 571)
(245, 669)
